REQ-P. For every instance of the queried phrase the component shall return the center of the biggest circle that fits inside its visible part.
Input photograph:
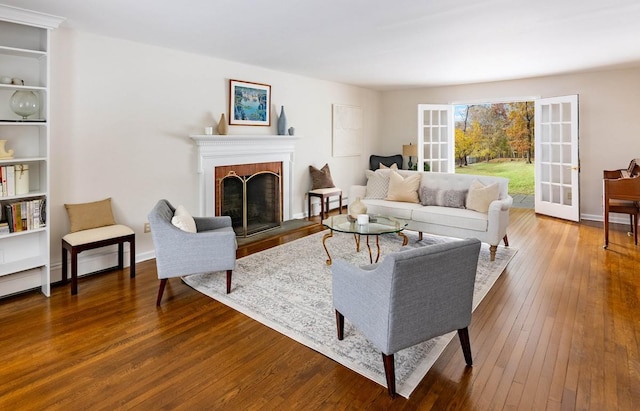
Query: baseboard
(89, 262)
(614, 218)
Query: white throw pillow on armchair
(183, 220)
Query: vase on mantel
(223, 127)
(282, 122)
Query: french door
(556, 157)
(436, 137)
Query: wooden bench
(80, 241)
(324, 194)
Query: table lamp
(410, 151)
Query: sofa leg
(419, 235)
(493, 250)
(506, 241)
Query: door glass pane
(566, 133)
(555, 153)
(545, 132)
(555, 113)
(566, 112)
(544, 170)
(566, 175)
(566, 153)
(555, 133)
(545, 155)
(544, 194)
(545, 114)
(443, 117)
(555, 173)
(555, 194)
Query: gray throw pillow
(443, 198)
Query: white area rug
(288, 288)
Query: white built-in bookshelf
(24, 226)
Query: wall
(608, 113)
(122, 113)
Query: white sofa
(489, 227)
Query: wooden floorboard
(560, 329)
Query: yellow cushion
(480, 196)
(97, 234)
(403, 189)
(90, 215)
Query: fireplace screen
(253, 202)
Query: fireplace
(251, 194)
(215, 152)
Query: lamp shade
(410, 150)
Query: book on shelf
(14, 180)
(25, 215)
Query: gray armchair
(413, 295)
(178, 252)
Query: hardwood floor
(559, 330)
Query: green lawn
(519, 173)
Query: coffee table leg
(405, 240)
(356, 238)
(378, 247)
(324, 238)
(369, 248)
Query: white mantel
(214, 151)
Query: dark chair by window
(375, 161)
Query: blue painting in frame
(249, 103)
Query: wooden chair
(324, 194)
(80, 241)
(92, 226)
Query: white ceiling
(376, 43)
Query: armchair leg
(506, 241)
(229, 281)
(340, 325)
(463, 334)
(390, 372)
(163, 283)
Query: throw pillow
(183, 220)
(321, 178)
(480, 196)
(84, 216)
(377, 184)
(403, 189)
(443, 198)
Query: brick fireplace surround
(216, 151)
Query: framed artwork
(249, 103)
(347, 130)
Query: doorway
(556, 173)
(497, 139)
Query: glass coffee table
(377, 226)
